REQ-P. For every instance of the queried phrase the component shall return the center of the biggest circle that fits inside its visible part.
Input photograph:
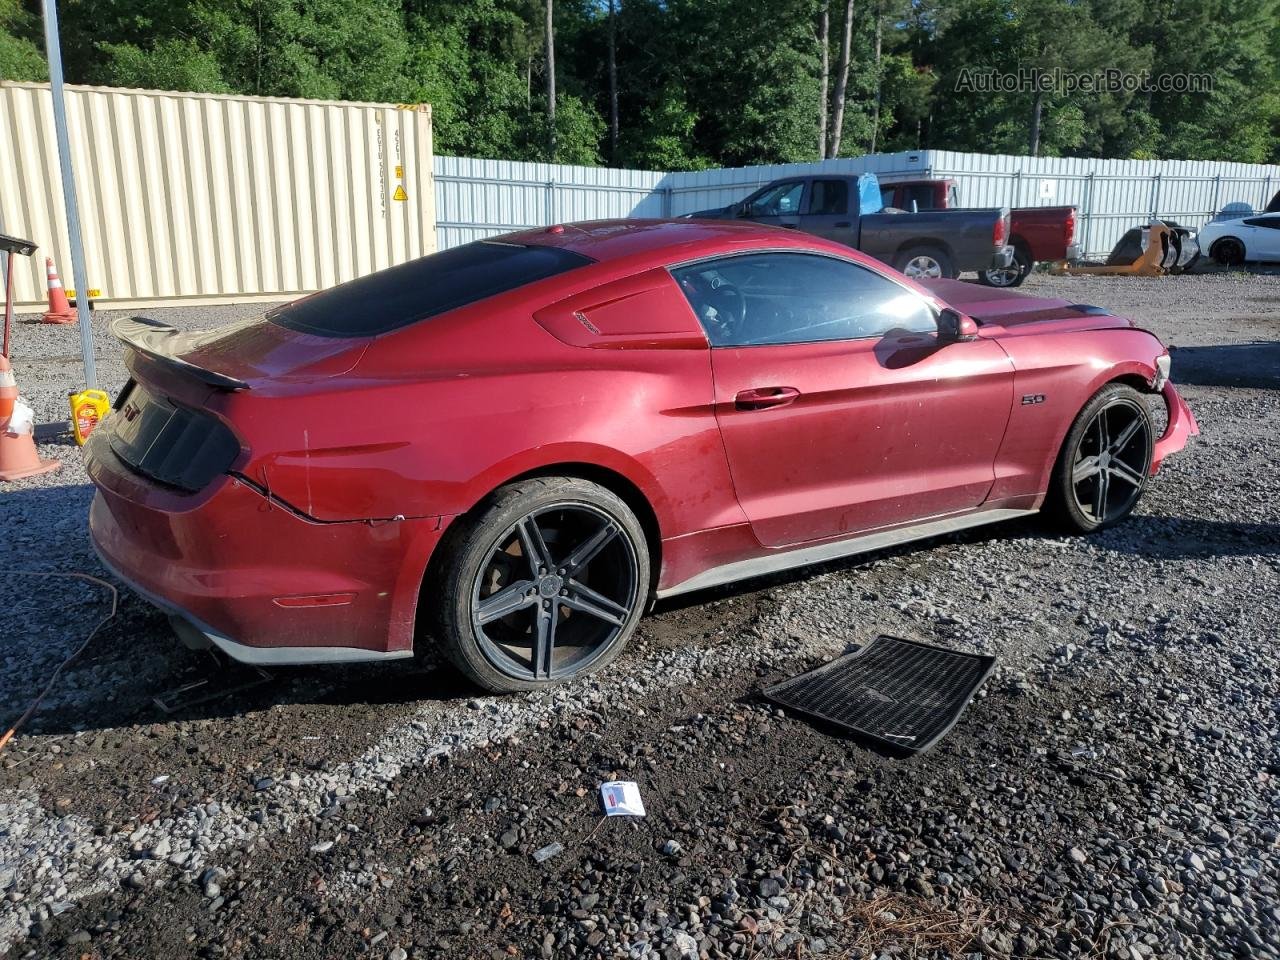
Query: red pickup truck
(1039, 233)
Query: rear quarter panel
(435, 417)
(1056, 372)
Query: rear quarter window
(424, 288)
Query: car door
(1262, 240)
(826, 211)
(777, 205)
(839, 408)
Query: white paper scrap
(621, 798)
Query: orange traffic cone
(59, 309)
(18, 457)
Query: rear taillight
(1000, 232)
(1069, 228)
(174, 445)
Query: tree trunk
(1037, 108)
(842, 81)
(878, 13)
(613, 82)
(824, 44)
(551, 86)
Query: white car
(1234, 241)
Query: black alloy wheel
(1106, 460)
(545, 585)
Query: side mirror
(955, 327)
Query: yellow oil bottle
(88, 407)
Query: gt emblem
(1030, 398)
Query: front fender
(1056, 374)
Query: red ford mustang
(510, 448)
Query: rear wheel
(1228, 251)
(544, 584)
(925, 263)
(1010, 276)
(1104, 464)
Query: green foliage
(663, 137)
(172, 64)
(20, 56)
(705, 82)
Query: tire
(494, 611)
(925, 263)
(1010, 276)
(1073, 498)
(1228, 251)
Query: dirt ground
(1112, 792)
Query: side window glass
(829, 198)
(953, 197)
(921, 195)
(780, 298)
(1272, 223)
(780, 201)
(886, 197)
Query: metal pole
(53, 50)
(1087, 216)
(8, 299)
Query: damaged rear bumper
(251, 577)
(1182, 425)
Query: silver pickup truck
(926, 245)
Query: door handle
(761, 398)
(844, 223)
(790, 226)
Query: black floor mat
(900, 693)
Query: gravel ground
(1112, 792)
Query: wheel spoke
(519, 615)
(1126, 435)
(1084, 469)
(588, 549)
(545, 639)
(585, 600)
(1104, 440)
(1100, 495)
(1122, 471)
(535, 548)
(508, 600)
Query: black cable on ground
(115, 603)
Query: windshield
(423, 288)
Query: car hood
(717, 213)
(1010, 309)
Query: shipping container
(200, 197)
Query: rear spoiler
(165, 344)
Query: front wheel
(925, 263)
(1102, 470)
(545, 584)
(1010, 276)
(1228, 251)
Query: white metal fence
(195, 196)
(476, 198)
